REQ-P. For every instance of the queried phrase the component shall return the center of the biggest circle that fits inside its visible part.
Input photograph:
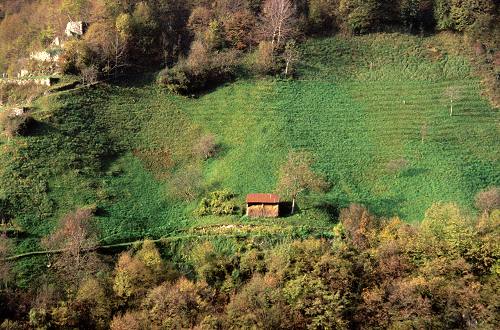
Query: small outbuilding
(263, 205)
(75, 29)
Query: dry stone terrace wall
(47, 81)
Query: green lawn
(357, 105)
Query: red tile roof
(263, 199)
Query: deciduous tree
(132, 277)
(359, 224)
(186, 183)
(5, 266)
(488, 199)
(357, 16)
(278, 21)
(77, 237)
(291, 56)
(206, 147)
(453, 94)
(297, 176)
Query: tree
(206, 147)
(239, 29)
(110, 42)
(291, 56)
(77, 237)
(200, 58)
(409, 10)
(89, 75)
(442, 10)
(359, 224)
(310, 295)
(178, 305)
(214, 36)
(445, 224)
(488, 200)
(464, 13)
(94, 304)
(5, 266)
(358, 16)
(321, 14)
(127, 321)
(150, 256)
(297, 176)
(75, 9)
(278, 21)
(186, 183)
(424, 131)
(265, 62)
(199, 20)
(454, 94)
(394, 166)
(260, 304)
(132, 277)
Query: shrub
(202, 70)
(90, 75)
(14, 125)
(217, 203)
(206, 147)
(186, 183)
(265, 62)
(488, 200)
(358, 15)
(396, 165)
(19, 94)
(239, 29)
(176, 79)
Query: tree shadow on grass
(221, 150)
(386, 207)
(330, 208)
(286, 209)
(137, 80)
(414, 171)
(39, 128)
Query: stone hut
(263, 205)
(75, 29)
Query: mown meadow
(370, 109)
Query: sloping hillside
(373, 114)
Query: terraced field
(361, 118)
(359, 105)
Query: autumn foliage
(371, 273)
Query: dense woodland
(369, 273)
(365, 270)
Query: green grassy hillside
(358, 105)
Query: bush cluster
(15, 125)
(219, 202)
(199, 72)
(371, 274)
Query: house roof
(263, 198)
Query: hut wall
(263, 211)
